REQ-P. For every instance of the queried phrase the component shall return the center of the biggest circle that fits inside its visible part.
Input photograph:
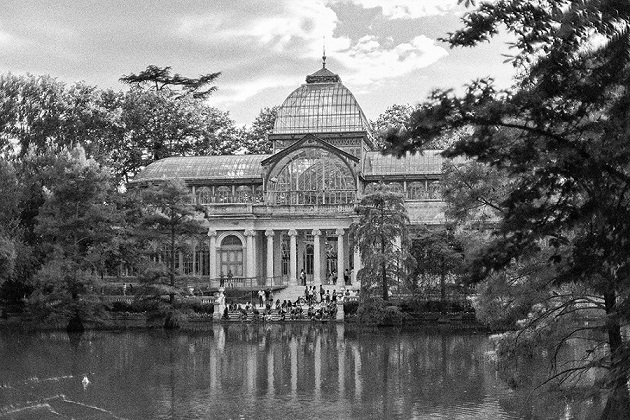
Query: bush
(350, 308)
(196, 307)
(122, 307)
(376, 312)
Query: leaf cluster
(160, 79)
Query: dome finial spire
(324, 53)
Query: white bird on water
(85, 382)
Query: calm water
(322, 371)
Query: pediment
(309, 140)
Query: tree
(76, 218)
(394, 119)
(162, 125)
(382, 238)
(255, 139)
(40, 111)
(560, 134)
(165, 219)
(165, 115)
(160, 79)
(9, 219)
(438, 253)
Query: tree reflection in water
(272, 371)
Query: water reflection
(269, 371)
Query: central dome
(321, 105)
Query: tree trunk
(618, 403)
(443, 287)
(384, 271)
(172, 270)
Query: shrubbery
(376, 312)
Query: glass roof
(204, 167)
(430, 162)
(320, 107)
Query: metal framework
(320, 108)
(312, 176)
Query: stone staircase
(292, 293)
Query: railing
(264, 209)
(303, 209)
(203, 283)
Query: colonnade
(269, 250)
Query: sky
(386, 52)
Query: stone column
(213, 254)
(293, 257)
(317, 264)
(269, 234)
(340, 256)
(357, 264)
(251, 268)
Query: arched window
(224, 194)
(394, 187)
(434, 190)
(202, 258)
(243, 194)
(416, 191)
(231, 256)
(204, 195)
(258, 194)
(312, 176)
(370, 188)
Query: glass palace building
(272, 216)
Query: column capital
(316, 232)
(340, 232)
(250, 232)
(269, 232)
(292, 232)
(212, 232)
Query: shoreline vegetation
(394, 316)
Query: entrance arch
(231, 256)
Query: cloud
(9, 41)
(231, 93)
(408, 9)
(290, 33)
(298, 24)
(370, 62)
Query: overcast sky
(386, 52)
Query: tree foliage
(160, 79)
(382, 238)
(255, 139)
(166, 216)
(75, 222)
(560, 135)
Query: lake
(272, 371)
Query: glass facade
(320, 108)
(311, 176)
(430, 162)
(203, 167)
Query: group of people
(311, 292)
(332, 277)
(284, 310)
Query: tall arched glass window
(204, 195)
(223, 194)
(434, 190)
(312, 176)
(416, 190)
(231, 256)
(202, 258)
(243, 194)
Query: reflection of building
(272, 216)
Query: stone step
(292, 293)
